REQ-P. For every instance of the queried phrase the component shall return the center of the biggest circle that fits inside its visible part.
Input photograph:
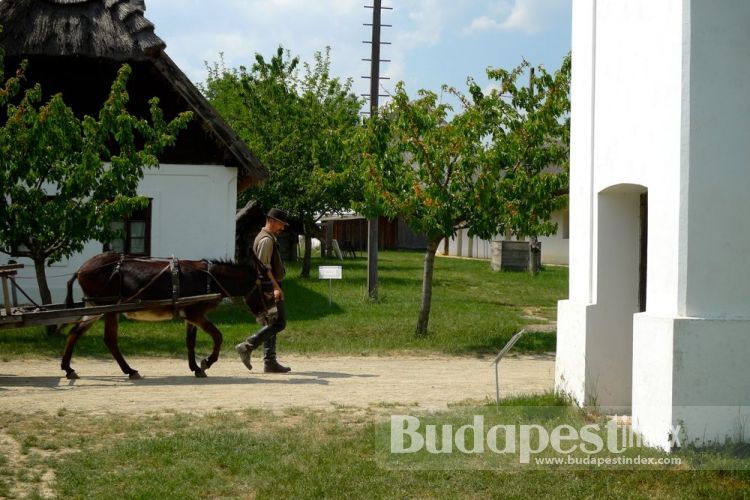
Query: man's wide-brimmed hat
(279, 215)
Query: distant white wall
(193, 217)
(554, 248)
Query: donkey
(111, 278)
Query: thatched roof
(114, 30)
(110, 29)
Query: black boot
(273, 366)
(270, 365)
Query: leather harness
(173, 267)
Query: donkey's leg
(190, 333)
(197, 317)
(110, 338)
(73, 335)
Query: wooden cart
(55, 314)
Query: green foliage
(432, 171)
(497, 165)
(301, 126)
(64, 179)
(529, 146)
(427, 167)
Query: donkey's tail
(69, 296)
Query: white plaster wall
(653, 340)
(193, 215)
(570, 355)
(659, 101)
(570, 360)
(627, 107)
(555, 248)
(194, 210)
(693, 373)
(581, 203)
(638, 112)
(711, 393)
(718, 278)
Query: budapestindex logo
(408, 435)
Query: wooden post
(6, 295)
(329, 239)
(5, 272)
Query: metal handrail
(496, 362)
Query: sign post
(329, 273)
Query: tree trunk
(41, 279)
(308, 252)
(424, 310)
(534, 257)
(44, 293)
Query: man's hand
(278, 295)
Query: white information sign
(329, 272)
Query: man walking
(266, 248)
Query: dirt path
(31, 386)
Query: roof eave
(251, 171)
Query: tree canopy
(497, 164)
(530, 146)
(65, 179)
(301, 126)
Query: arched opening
(621, 270)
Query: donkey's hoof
(72, 375)
(200, 373)
(135, 376)
(205, 364)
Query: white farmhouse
(658, 316)
(75, 47)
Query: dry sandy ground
(37, 385)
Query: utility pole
(372, 223)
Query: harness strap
(116, 272)
(208, 275)
(213, 278)
(174, 267)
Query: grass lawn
(474, 312)
(307, 454)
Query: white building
(76, 48)
(658, 316)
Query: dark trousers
(267, 334)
